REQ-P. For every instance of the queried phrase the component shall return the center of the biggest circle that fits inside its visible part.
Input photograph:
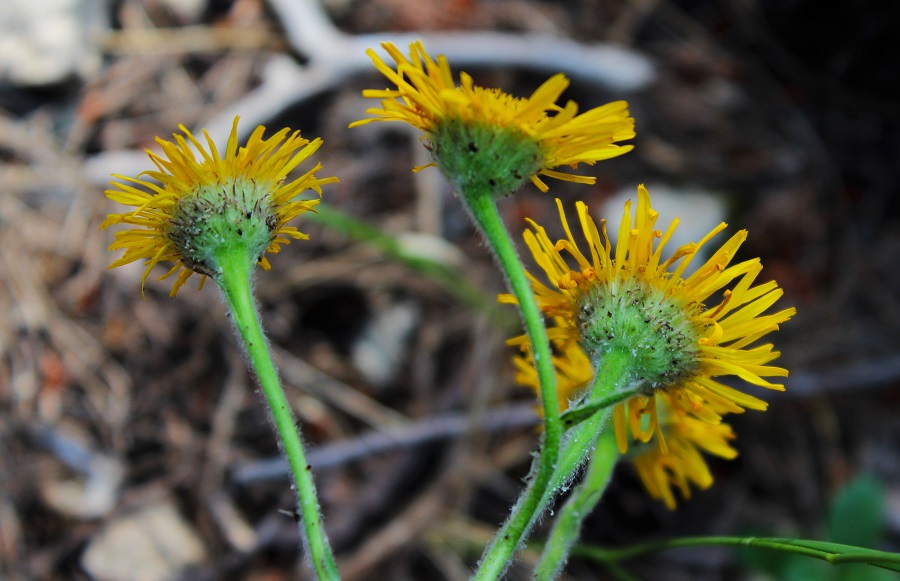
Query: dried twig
(421, 432)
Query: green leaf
(834, 553)
(863, 573)
(586, 409)
(770, 563)
(796, 568)
(429, 263)
(576, 415)
(856, 515)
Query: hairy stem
(500, 551)
(234, 280)
(612, 383)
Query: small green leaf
(586, 409)
(834, 553)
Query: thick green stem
(584, 498)
(234, 281)
(612, 377)
(525, 512)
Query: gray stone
(50, 41)
(153, 544)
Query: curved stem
(499, 553)
(234, 280)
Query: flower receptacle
(635, 318)
(219, 216)
(477, 157)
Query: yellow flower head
(676, 462)
(478, 134)
(682, 462)
(188, 207)
(573, 373)
(631, 301)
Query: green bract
(215, 217)
(480, 157)
(636, 319)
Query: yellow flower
(573, 373)
(187, 206)
(631, 301)
(675, 464)
(682, 462)
(543, 134)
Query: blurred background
(133, 444)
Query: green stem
(499, 553)
(234, 280)
(612, 376)
(585, 409)
(582, 501)
(589, 438)
(833, 553)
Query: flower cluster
(632, 299)
(680, 331)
